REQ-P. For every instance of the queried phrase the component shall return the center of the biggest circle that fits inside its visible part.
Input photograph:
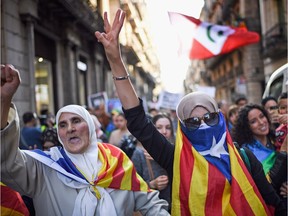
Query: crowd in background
(260, 127)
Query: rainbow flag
(12, 202)
(199, 188)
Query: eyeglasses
(210, 119)
(273, 108)
(283, 107)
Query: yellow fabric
(237, 197)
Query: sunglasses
(273, 108)
(210, 119)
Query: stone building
(245, 70)
(274, 34)
(52, 43)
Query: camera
(128, 144)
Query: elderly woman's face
(73, 132)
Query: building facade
(52, 43)
(245, 70)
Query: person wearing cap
(209, 177)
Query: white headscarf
(86, 161)
(89, 164)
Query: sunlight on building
(173, 67)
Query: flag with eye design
(202, 40)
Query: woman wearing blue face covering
(209, 177)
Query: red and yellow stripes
(199, 188)
(118, 171)
(11, 202)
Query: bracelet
(121, 78)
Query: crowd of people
(204, 158)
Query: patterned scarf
(201, 188)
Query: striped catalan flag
(199, 188)
(12, 202)
(118, 170)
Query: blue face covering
(210, 142)
(202, 137)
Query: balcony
(275, 41)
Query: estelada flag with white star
(200, 188)
(201, 40)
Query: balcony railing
(275, 41)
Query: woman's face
(121, 122)
(73, 132)
(258, 123)
(233, 118)
(164, 127)
(270, 104)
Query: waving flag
(201, 40)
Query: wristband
(121, 78)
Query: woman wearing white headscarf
(209, 177)
(84, 177)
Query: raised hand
(110, 38)
(110, 41)
(10, 80)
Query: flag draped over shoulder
(117, 170)
(265, 155)
(12, 202)
(201, 40)
(199, 188)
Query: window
(44, 85)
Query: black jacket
(163, 153)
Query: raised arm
(110, 41)
(10, 80)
